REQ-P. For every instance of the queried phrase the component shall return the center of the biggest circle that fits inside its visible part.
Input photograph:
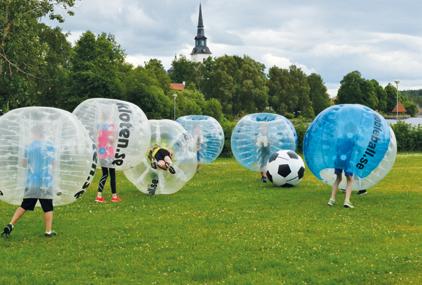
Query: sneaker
(331, 202)
(362, 192)
(348, 205)
(50, 234)
(171, 170)
(116, 199)
(99, 199)
(264, 179)
(153, 187)
(7, 230)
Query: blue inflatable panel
(257, 136)
(350, 137)
(208, 136)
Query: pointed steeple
(200, 22)
(200, 51)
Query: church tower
(200, 51)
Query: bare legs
(48, 218)
(348, 189)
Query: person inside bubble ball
(106, 132)
(39, 163)
(344, 147)
(263, 150)
(161, 158)
(199, 140)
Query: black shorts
(29, 204)
(161, 154)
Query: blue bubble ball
(353, 138)
(257, 136)
(207, 134)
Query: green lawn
(226, 227)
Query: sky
(381, 39)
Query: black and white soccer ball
(285, 168)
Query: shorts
(161, 154)
(29, 204)
(339, 171)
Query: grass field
(225, 227)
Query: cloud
(381, 40)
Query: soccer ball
(285, 168)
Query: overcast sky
(381, 39)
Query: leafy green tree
(22, 53)
(98, 69)
(318, 93)
(381, 96)
(355, 89)
(391, 95)
(289, 91)
(184, 70)
(53, 87)
(156, 68)
(213, 108)
(144, 90)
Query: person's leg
(169, 164)
(335, 186)
(17, 215)
(162, 164)
(48, 221)
(348, 191)
(101, 184)
(168, 160)
(27, 204)
(47, 207)
(114, 197)
(264, 176)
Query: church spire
(200, 51)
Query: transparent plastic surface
(207, 134)
(170, 135)
(353, 138)
(257, 136)
(120, 130)
(45, 153)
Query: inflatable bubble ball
(353, 138)
(257, 136)
(120, 130)
(169, 163)
(285, 168)
(45, 153)
(207, 134)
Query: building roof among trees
(400, 108)
(177, 86)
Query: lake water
(413, 121)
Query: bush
(228, 127)
(409, 138)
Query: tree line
(38, 66)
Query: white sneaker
(331, 202)
(348, 205)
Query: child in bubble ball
(160, 158)
(38, 161)
(344, 147)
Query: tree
(356, 90)
(184, 70)
(318, 93)
(21, 50)
(381, 96)
(156, 68)
(391, 96)
(144, 90)
(98, 69)
(289, 91)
